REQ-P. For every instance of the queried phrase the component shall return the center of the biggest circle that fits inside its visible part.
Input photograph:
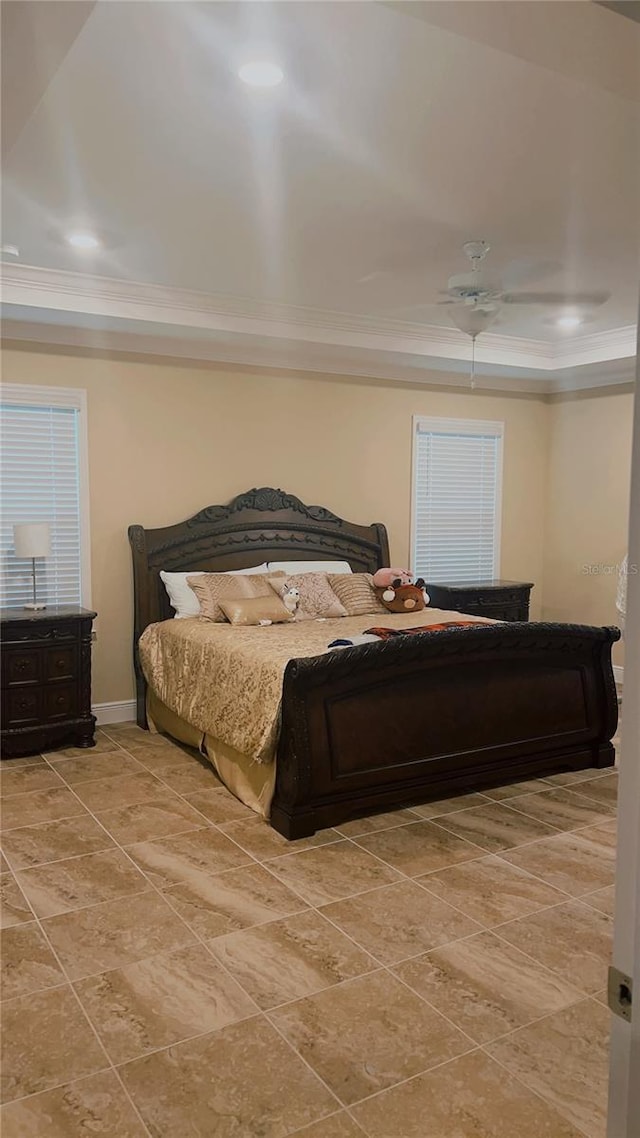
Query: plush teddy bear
(402, 596)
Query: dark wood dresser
(46, 679)
(501, 600)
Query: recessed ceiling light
(261, 73)
(83, 240)
(569, 321)
(10, 251)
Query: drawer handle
(24, 704)
(61, 663)
(61, 699)
(22, 665)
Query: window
(457, 483)
(43, 471)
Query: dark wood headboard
(260, 525)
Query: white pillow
(181, 595)
(291, 568)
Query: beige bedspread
(226, 680)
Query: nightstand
(46, 679)
(501, 600)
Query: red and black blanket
(387, 633)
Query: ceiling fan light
(473, 320)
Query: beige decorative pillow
(212, 588)
(258, 610)
(356, 593)
(317, 598)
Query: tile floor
(171, 967)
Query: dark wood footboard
(409, 720)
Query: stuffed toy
(290, 598)
(382, 578)
(403, 596)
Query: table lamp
(32, 540)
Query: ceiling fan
(476, 301)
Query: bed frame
(407, 720)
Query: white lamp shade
(32, 539)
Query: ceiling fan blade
(565, 299)
(527, 271)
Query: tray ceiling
(400, 131)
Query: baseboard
(119, 712)
(618, 673)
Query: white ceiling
(401, 131)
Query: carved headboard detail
(263, 524)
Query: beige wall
(165, 440)
(587, 506)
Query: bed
(381, 725)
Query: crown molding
(313, 360)
(258, 352)
(53, 290)
(596, 347)
(89, 310)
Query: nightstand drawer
(490, 600)
(502, 612)
(21, 666)
(465, 604)
(61, 663)
(22, 707)
(41, 633)
(60, 701)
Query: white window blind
(43, 479)
(457, 475)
